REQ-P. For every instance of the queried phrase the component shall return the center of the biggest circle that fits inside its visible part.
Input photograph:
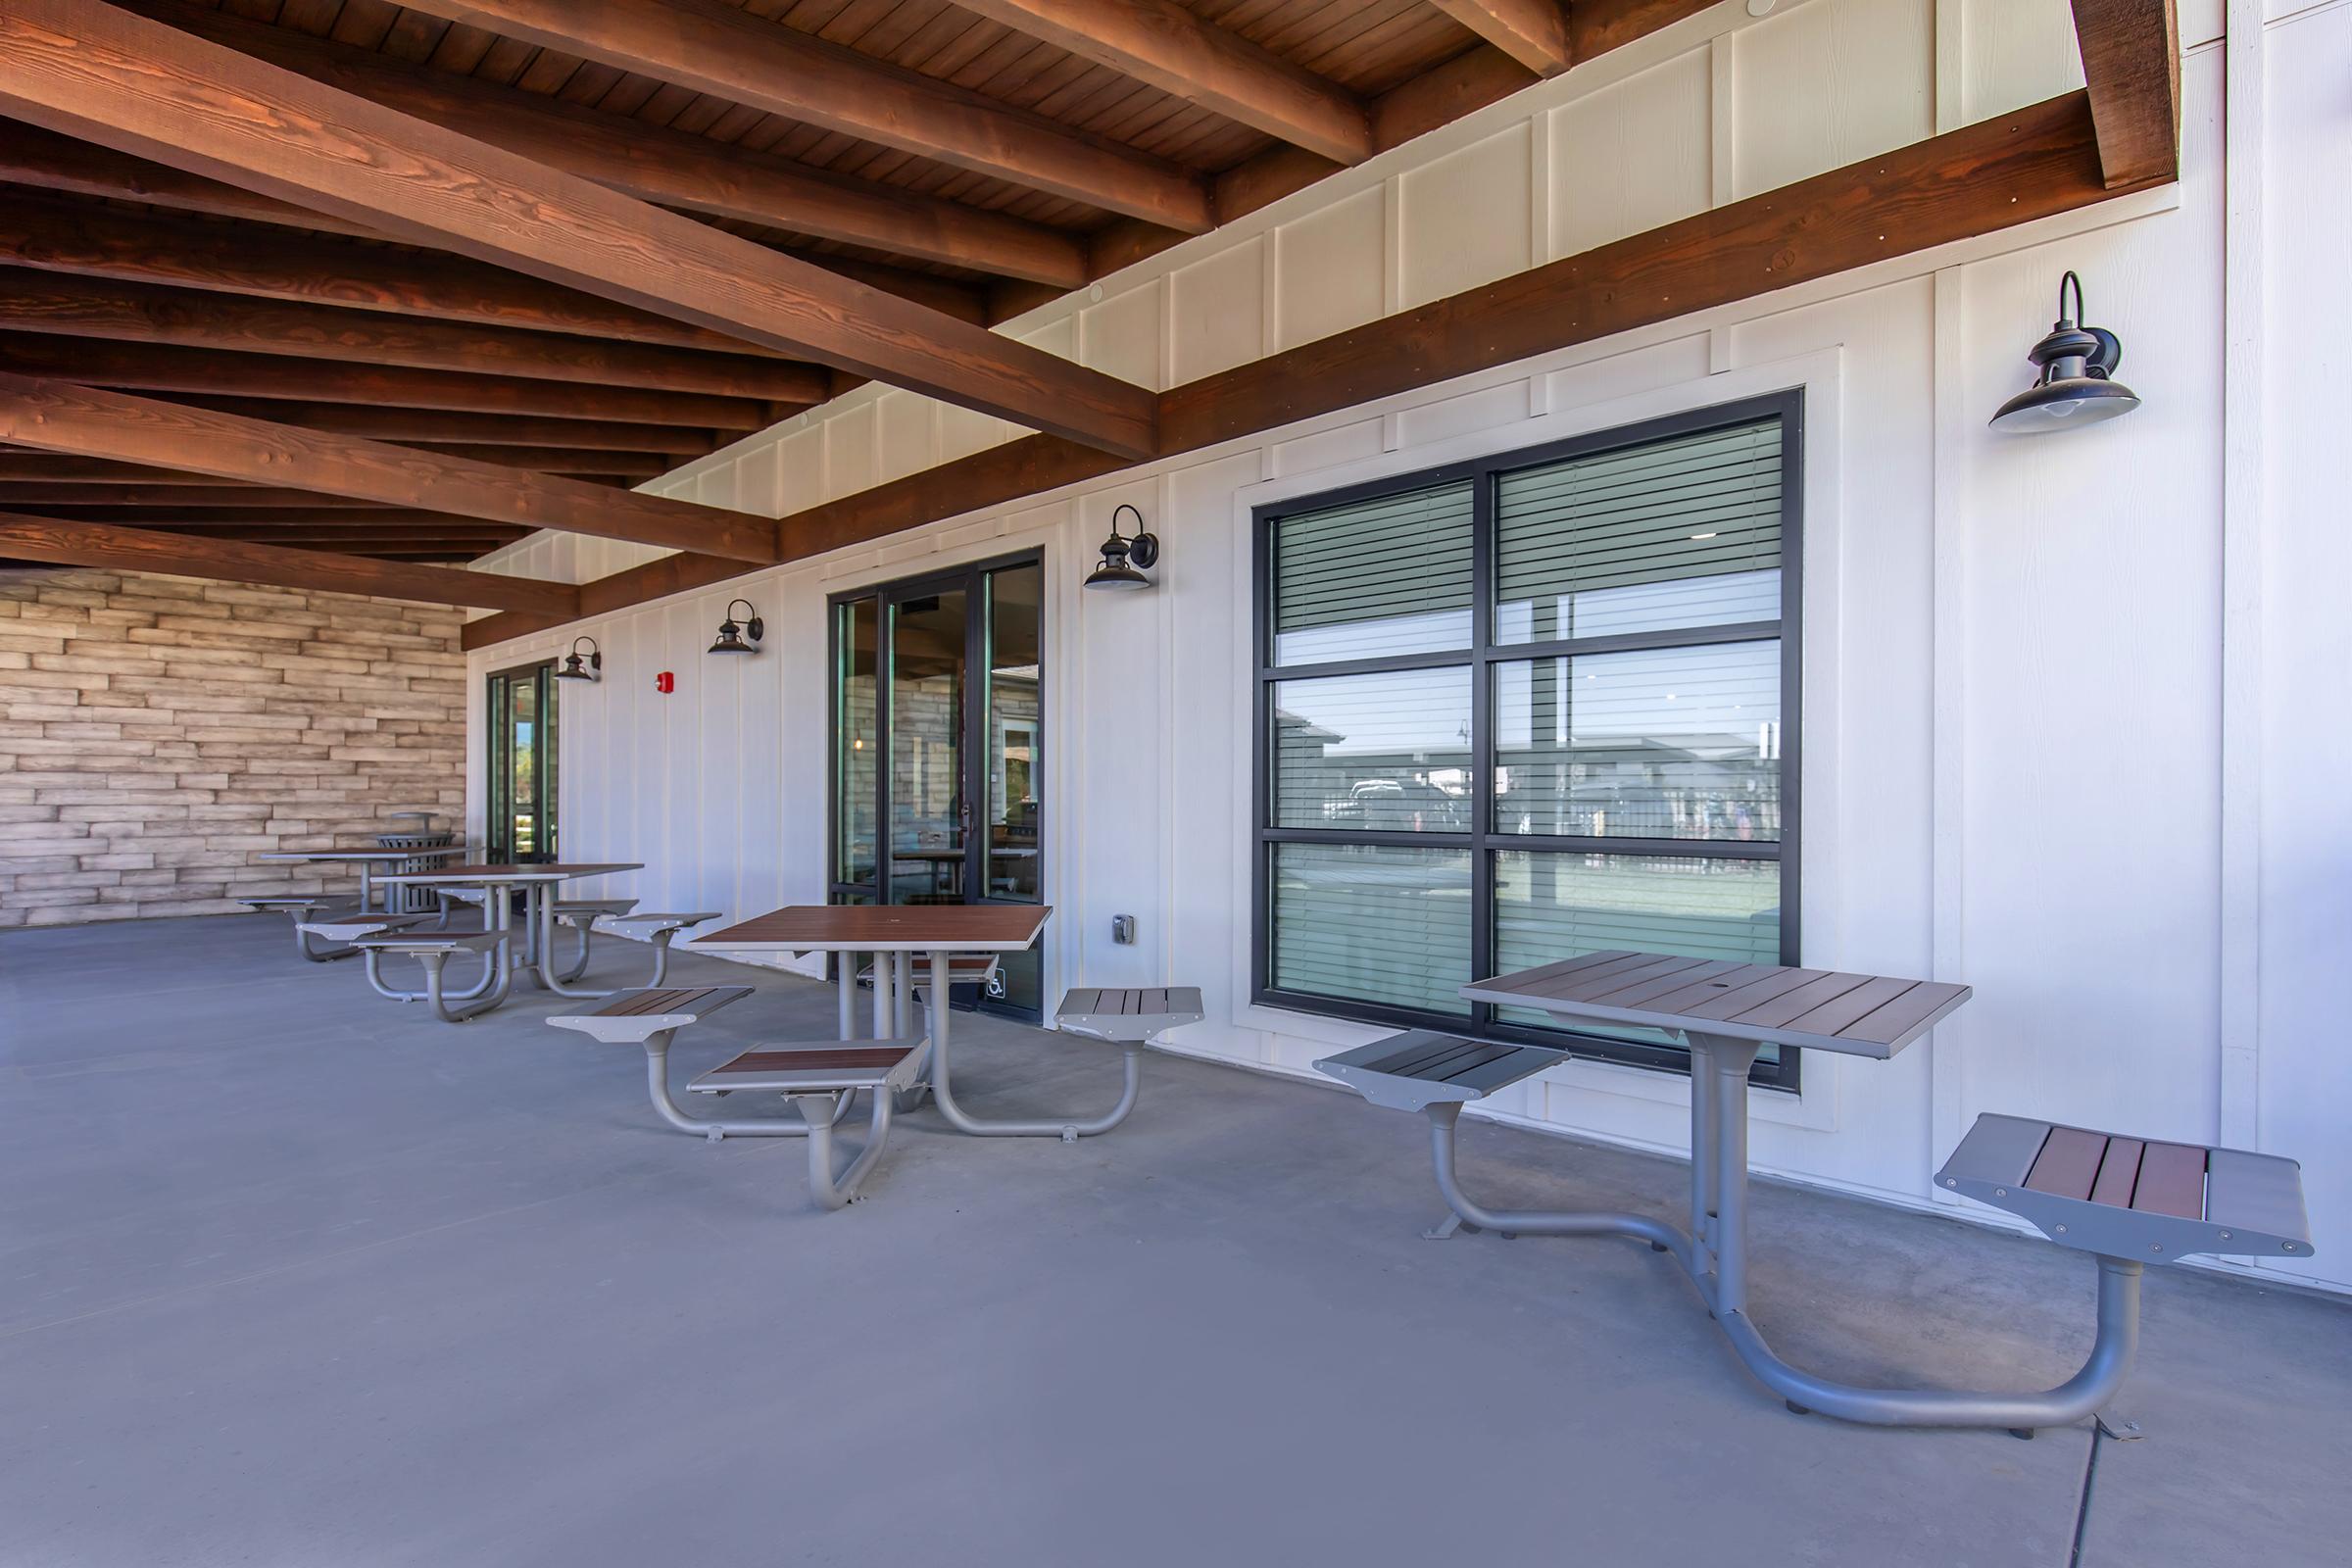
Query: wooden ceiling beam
(83, 239)
(144, 369)
(380, 519)
(47, 160)
(143, 313)
(20, 494)
(2019, 166)
(711, 47)
(94, 544)
(94, 70)
(655, 164)
(1162, 43)
(412, 426)
(1533, 32)
(2131, 65)
(85, 421)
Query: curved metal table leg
(542, 921)
(302, 945)
(1658, 1233)
(481, 999)
(579, 961)
(1067, 1129)
(375, 978)
(830, 1191)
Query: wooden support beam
(21, 495)
(1162, 43)
(709, 46)
(59, 416)
(2019, 166)
(2131, 64)
(47, 160)
(655, 164)
(95, 544)
(412, 426)
(83, 239)
(262, 519)
(1533, 32)
(144, 369)
(142, 313)
(90, 69)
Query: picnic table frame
(537, 880)
(365, 861)
(895, 936)
(1727, 1012)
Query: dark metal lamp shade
(1123, 554)
(739, 637)
(2076, 384)
(578, 666)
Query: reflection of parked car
(1393, 805)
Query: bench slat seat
(836, 1066)
(650, 918)
(1128, 1016)
(434, 941)
(1421, 1068)
(2136, 1198)
(592, 907)
(351, 925)
(630, 1017)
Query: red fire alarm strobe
(665, 683)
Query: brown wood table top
(884, 928)
(555, 871)
(1826, 1010)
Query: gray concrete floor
(290, 1275)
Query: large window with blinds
(1529, 707)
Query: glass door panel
(857, 748)
(930, 812)
(522, 824)
(948, 764)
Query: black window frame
(1480, 659)
(962, 576)
(498, 764)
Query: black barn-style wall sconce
(1123, 554)
(2076, 384)
(579, 667)
(739, 636)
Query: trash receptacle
(399, 897)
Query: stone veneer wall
(156, 733)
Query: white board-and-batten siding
(2076, 720)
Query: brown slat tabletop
(1826, 1010)
(883, 928)
(543, 872)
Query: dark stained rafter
(93, 544)
(84, 421)
(144, 88)
(1533, 32)
(714, 47)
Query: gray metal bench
(344, 924)
(2133, 1197)
(652, 1016)
(1421, 1069)
(305, 907)
(433, 949)
(1130, 1020)
(820, 1081)
(658, 928)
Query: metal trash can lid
(423, 838)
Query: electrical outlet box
(1122, 930)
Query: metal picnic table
(1727, 1012)
(539, 919)
(366, 860)
(893, 935)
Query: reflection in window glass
(1373, 579)
(1387, 753)
(1658, 743)
(1672, 533)
(857, 741)
(1551, 905)
(1015, 731)
(927, 809)
(1372, 924)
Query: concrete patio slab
(291, 1274)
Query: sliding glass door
(938, 745)
(520, 712)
